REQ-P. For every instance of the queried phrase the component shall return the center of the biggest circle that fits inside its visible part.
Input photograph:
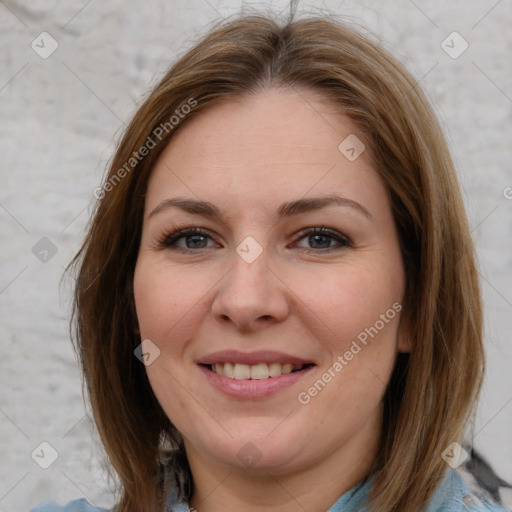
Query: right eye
(193, 238)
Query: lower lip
(253, 388)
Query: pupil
(196, 240)
(317, 237)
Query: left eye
(320, 239)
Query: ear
(404, 345)
(403, 338)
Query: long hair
(432, 391)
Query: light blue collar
(452, 495)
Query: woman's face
(274, 327)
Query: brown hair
(433, 389)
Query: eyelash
(169, 241)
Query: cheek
(166, 300)
(166, 303)
(358, 309)
(343, 303)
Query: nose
(251, 296)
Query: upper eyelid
(333, 233)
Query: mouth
(253, 375)
(259, 371)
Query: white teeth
(242, 371)
(227, 371)
(274, 369)
(259, 371)
(286, 368)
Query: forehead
(276, 142)
(297, 121)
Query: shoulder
(454, 495)
(81, 505)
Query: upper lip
(250, 358)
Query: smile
(252, 375)
(259, 371)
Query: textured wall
(60, 116)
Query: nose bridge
(248, 279)
(249, 292)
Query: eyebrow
(287, 209)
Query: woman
(277, 305)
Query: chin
(259, 453)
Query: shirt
(452, 495)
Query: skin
(247, 157)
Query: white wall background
(59, 117)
